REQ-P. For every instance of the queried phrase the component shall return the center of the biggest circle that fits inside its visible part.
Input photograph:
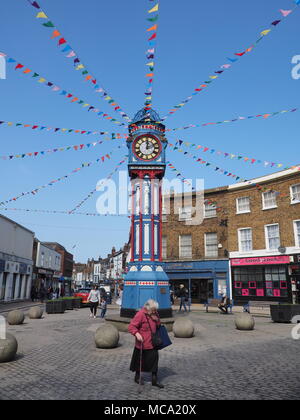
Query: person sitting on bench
(224, 304)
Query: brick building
(248, 244)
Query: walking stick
(140, 378)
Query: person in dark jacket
(183, 296)
(142, 326)
(224, 304)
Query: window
(164, 214)
(185, 213)
(295, 194)
(211, 245)
(297, 233)
(243, 205)
(210, 210)
(245, 239)
(42, 259)
(185, 246)
(272, 236)
(164, 247)
(269, 200)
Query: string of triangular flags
(238, 178)
(72, 55)
(57, 89)
(231, 60)
(264, 116)
(150, 53)
(97, 188)
(62, 178)
(62, 212)
(224, 154)
(78, 147)
(39, 127)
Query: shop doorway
(201, 290)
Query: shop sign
(282, 259)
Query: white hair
(151, 304)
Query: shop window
(252, 285)
(260, 292)
(243, 205)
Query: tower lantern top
(146, 118)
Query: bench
(214, 303)
(257, 304)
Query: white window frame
(240, 239)
(291, 192)
(180, 254)
(185, 213)
(267, 238)
(237, 206)
(264, 207)
(206, 249)
(212, 207)
(297, 239)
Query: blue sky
(194, 39)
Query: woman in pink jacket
(142, 326)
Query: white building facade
(47, 266)
(16, 243)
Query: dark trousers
(103, 312)
(93, 307)
(224, 309)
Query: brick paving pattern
(57, 360)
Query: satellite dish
(282, 250)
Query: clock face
(147, 147)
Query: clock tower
(146, 278)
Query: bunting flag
(78, 65)
(97, 189)
(150, 54)
(203, 86)
(64, 212)
(264, 116)
(54, 88)
(227, 173)
(205, 149)
(78, 147)
(51, 183)
(55, 130)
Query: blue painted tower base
(142, 282)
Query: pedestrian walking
(145, 356)
(33, 293)
(103, 307)
(94, 299)
(183, 296)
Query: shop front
(294, 272)
(261, 279)
(204, 280)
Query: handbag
(164, 337)
(155, 337)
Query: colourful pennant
(204, 85)
(62, 92)
(79, 65)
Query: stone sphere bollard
(107, 337)
(8, 348)
(15, 317)
(183, 328)
(35, 312)
(244, 322)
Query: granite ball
(35, 312)
(15, 317)
(8, 348)
(183, 328)
(244, 322)
(107, 337)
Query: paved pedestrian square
(57, 360)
